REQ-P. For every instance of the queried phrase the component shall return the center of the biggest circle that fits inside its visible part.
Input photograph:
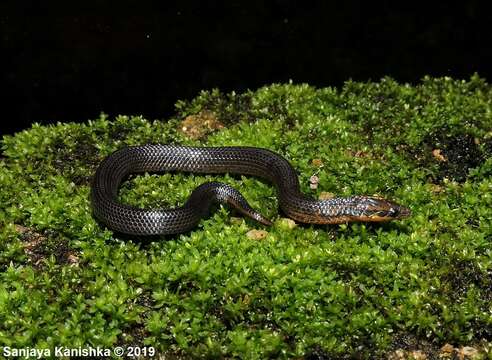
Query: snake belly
(235, 160)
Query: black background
(140, 57)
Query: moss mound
(305, 291)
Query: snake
(254, 161)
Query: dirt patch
(136, 336)
(452, 155)
(317, 353)
(200, 125)
(487, 146)
(465, 274)
(39, 247)
(409, 346)
(228, 108)
(231, 108)
(118, 131)
(76, 163)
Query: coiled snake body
(238, 160)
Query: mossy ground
(313, 291)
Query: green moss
(307, 291)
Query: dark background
(129, 58)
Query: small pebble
(438, 155)
(256, 234)
(447, 350)
(313, 182)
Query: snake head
(374, 209)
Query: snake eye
(393, 212)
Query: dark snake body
(238, 160)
